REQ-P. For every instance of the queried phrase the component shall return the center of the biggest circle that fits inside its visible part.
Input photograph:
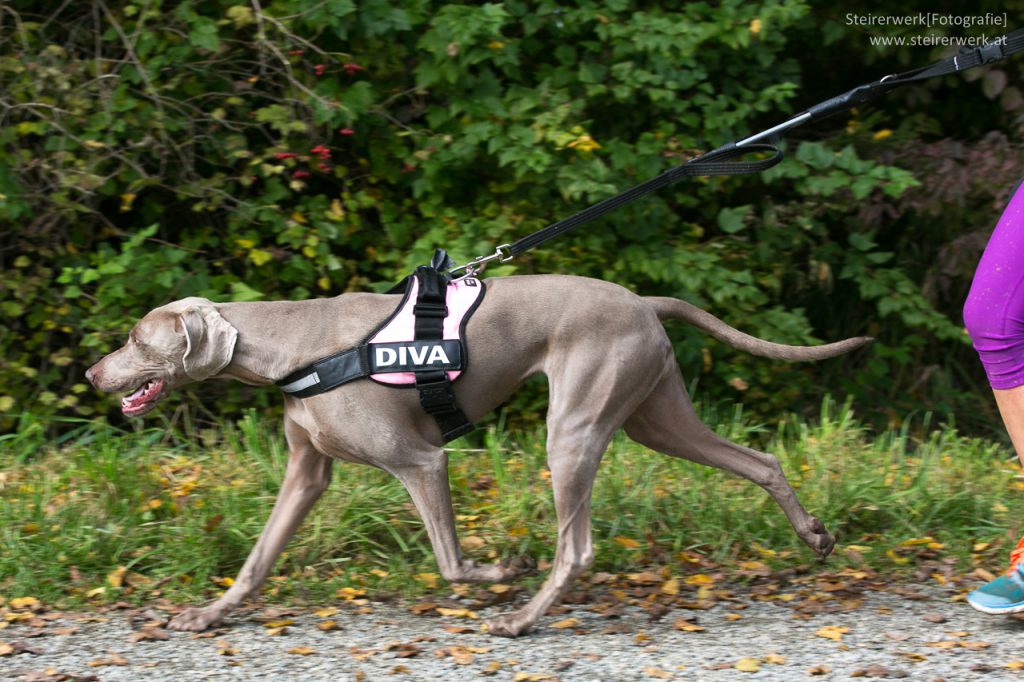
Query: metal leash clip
(502, 254)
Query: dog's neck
(279, 337)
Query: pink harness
(420, 345)
(463, 295)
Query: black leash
(722, 161)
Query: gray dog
(608, 362)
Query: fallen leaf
(6, 649)
(833, 632)
(278, 623)
(699, 579)
(20, 603)
(532, 677)
(224, 648)
(361, 654)
(878, 671)
(670, 587)
(733, 616)
(459, 629)
(658, 673)
(404, 649)
(349, 593)
(113, 659)
(491, 668)
(326, 613)
(327, 626)
(628, 543)
(461, 655)
(1015, 665)
(819, 670)
(277, 632)
(428, 579)
(748, 665)
(686, 626)
(984, 575)
(458, 613)
(302, 650)
(644, 578)
(423, 608)
(399, 670)
(156, 634)
(566, 624)
(116, 577)
(774, 659)
(934, 617)
(912, 657)
(63, 632)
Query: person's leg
(994, 317)
(1011, 408)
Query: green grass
(106, 515)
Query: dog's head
(178, 343)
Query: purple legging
(994, 312)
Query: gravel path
(904, 632)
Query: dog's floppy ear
(210, 340)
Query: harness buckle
(987, 53)
(436, 397)
(433, 310)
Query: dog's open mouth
(144, 398)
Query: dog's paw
(196, 619)
(507, 625)
(819, 539)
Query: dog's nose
(92, 375)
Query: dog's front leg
(426, 479)
(306, 478)
(573, 464)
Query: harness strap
(436, 395)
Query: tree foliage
(295, 148)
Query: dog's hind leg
(666, 421)
(426, 479)
(307, 476)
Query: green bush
(305, 148)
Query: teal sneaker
(1005, 594)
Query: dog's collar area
(428, 361)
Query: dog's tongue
(141, 394)
(138, 393)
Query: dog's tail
(674, 309)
